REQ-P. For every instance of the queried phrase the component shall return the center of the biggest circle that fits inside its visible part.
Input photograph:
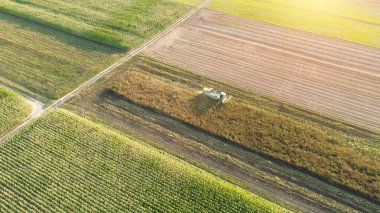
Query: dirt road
(37, 106)
(333, 76)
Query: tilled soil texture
(333, 76)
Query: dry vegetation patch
(298, 143)
(328, 75)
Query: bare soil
(332, 76)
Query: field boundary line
(121, 61)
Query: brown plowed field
(333, 76)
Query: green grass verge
(119, 23)
(344, 19)
(301, 143)
(13, 109)
(44, 62)
(67, 163)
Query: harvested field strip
(44, 62)
(334, 80)
(302, 144)
(13, 109)
(193, 80)
(118, 23)
(67, 163)
(320, 47)
(357, 21)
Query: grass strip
(344, 19)
(39, 60)
(119, 23)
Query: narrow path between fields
(128, 56)
(37, 106)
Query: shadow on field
(63, 36)
(201, 104)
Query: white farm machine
(220, 96)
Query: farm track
(333, 76)
(128, 56)
(37, 106)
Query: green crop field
(119, 23)
(44, 62)
(63, 162)
(357, 21)
(13, 109)
(304, 144)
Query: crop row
(298, 143)
(13, 109)
(51, 65)
(66, 163)
(118, 23)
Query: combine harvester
(220, 96)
